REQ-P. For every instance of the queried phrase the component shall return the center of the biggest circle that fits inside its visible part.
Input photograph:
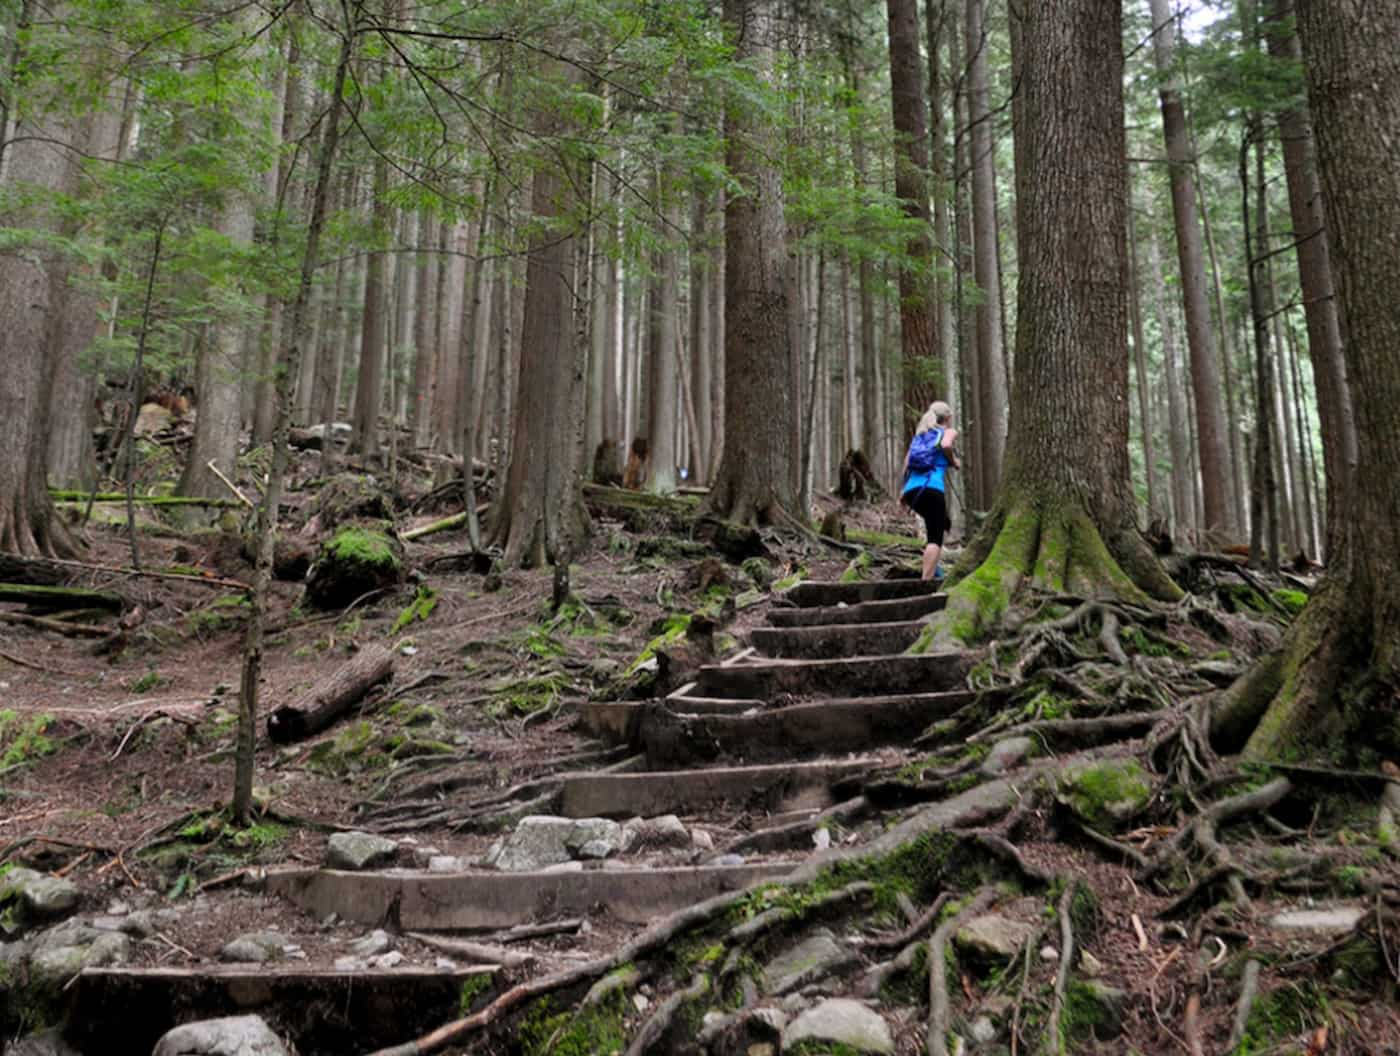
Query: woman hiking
(925, 466)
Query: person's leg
(931, 552)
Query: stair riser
(866, 676)
(825, 643)
(813, 595)
(672, 740)
(869, 612)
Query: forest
(453, 570)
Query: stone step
(480, 899)
(854, 724)
(771, 788)
(833, 640)
(892, 611)
(124, 1011)
(844, 677)
(813, 593)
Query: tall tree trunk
(1218, 514)
(662, 363)
(1263, 496)
(872, 420)
(941, 22)
(1065, 518)
(754, 483)
(424, 347)
(1340, 453)
(1178, 437)
(1334, 682)
(922, 372)
(1149, 453)
(702, 360)
(374, 323)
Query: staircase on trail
(779, 734)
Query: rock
(231, 1036)
(375, 942)
(349, 964)
(258, 947)
(152, 419)
(1107, 793)
(445, 863)
(1337, 919)
(359, 850)
(392, 959)
(726, 861)
(53, 963)
(1049, 954)
(1093, 1008)
(541, 840)
(821, 839)
(702, 840)
(37, 897)
(1007, 754)
(666, 831)
(1089, 964)
(799, 964)
(841, 1021)
(594, 850)
(993, 937)
(981, 1030)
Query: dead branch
(43, 623)
(477, 951)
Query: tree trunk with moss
(1064, 518)
(755, 482)
(1338, 674)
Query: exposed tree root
(1052, 1044)
(659, 1022)
(1249, 990)
(938, 971)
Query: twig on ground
(476, 950)
(230, 484)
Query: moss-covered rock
(1106, 793)
(353, 562)
(349, 497)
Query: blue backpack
(926, 452)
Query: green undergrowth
(524, 696)
(362, 546)
(473, 988)
(207, 844)
(858, 569)
(418, 610)
(361, 746)
(1281, 1014)
(224, 612)
(668, 631)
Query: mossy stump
(356, 561)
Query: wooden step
(892, 611)
(834, 640)
(124, 1011)
(856, 724)
(419, 901)
(813, 593)
(770, 788)
(845, 677)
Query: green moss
(419, 609)
(1282, 1014)
(860, 535)
(591, 1031)
(1291, 601)
(1082, 1015)
(524, 696)
(858, 569)
(1105, 793)
(760, 573)
(23, 740)
(472, 988)
(363, 546)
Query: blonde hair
(938, 412)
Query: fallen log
(139, 500)
(50, 571)
(56, 599)
(330, 698)
(454, 521)
(43, 623)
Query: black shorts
(932, 506)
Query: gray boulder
(541, 841)
(666, 831)
(37, 897)
(993, 937)
(359, 850)
(231, 1036)
(841, 1021)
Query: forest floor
(115, 770)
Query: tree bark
(1217, 511)
(755, 479)
(922, 372)
(330, 698)
(991, 356)
(1263, 496)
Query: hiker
(930, 456)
